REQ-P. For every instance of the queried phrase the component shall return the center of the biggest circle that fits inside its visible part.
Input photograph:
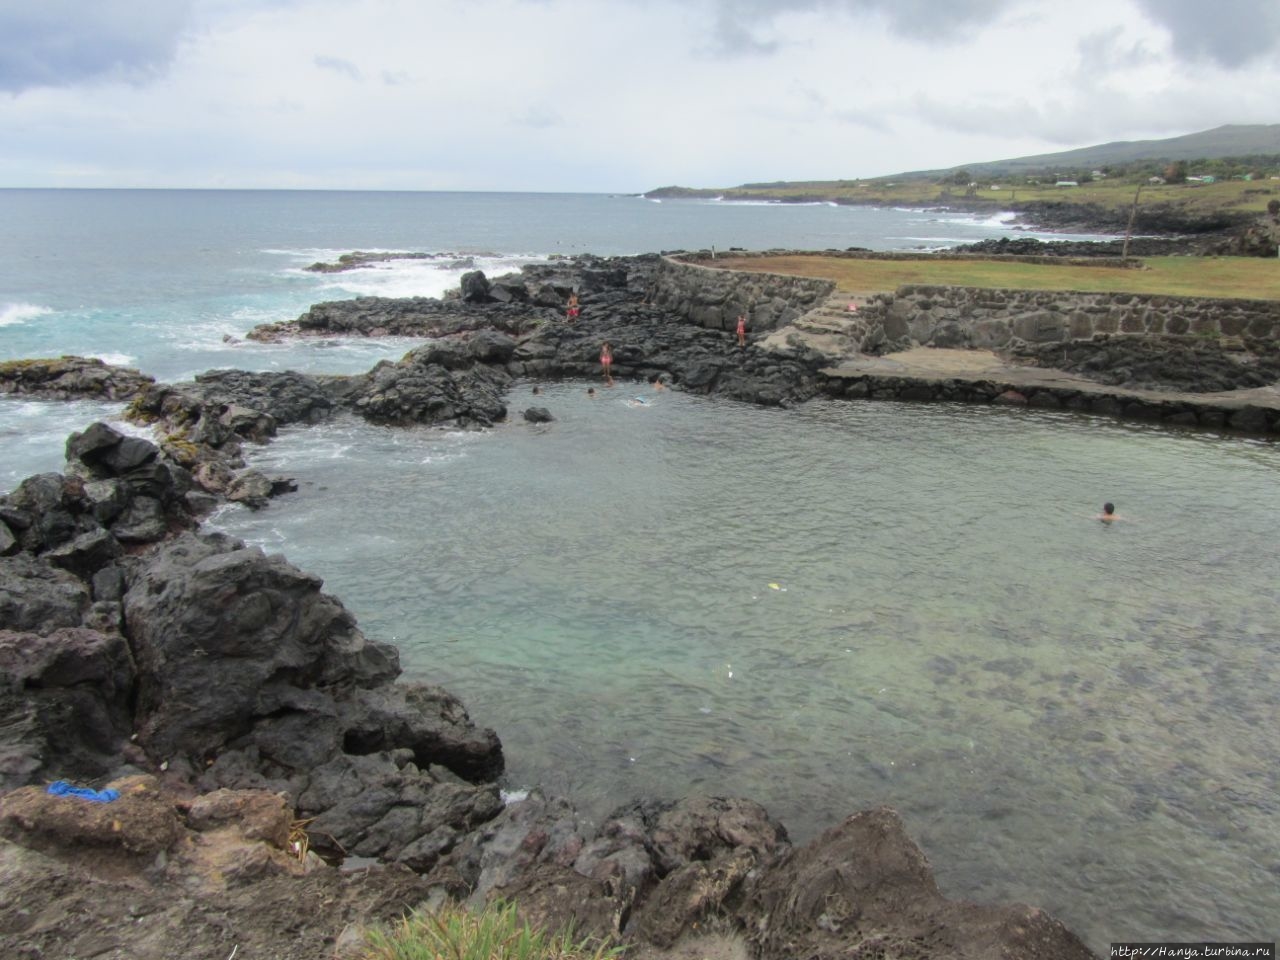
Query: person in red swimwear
(606, 362)
(572, 313)
(742, 329)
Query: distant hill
(1229, 140)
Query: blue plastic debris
(60, 788)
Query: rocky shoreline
(250, 726)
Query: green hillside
(1216, 179)
(1230, 140)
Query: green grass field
(1234, 277)
(1111, 194)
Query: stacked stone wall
(714, 298)
(987, 319)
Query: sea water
(845, 605)
(823, 609)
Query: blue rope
(60, 788)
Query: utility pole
(1133, 212)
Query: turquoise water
(844, 605)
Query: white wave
(15, 313)
(420, 278)
(999, 220)
(115, 359)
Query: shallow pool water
(844, 605)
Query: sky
(603, 95)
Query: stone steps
(829, 328)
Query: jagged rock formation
(68, 378)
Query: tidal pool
(845, 605)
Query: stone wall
(978, 318)
(714, 298)
(1115, 402)
(706, 257)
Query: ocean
(824, 609)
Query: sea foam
(15, 313)
(115, 359)
(420, 278)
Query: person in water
(1108, 514)
(658, 384)
(591, 392)
(606, 362)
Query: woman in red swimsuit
(606, 362)
(742, 329)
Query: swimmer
(537, 390)
(658, 384)
(591, 392)
(1108, 514)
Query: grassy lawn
(1236, 277)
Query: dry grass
(1229, 277)
(492, 933)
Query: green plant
(494, 933)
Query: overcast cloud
(603, 95)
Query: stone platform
(939, 374)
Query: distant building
(1155, 179)
(1067, 183)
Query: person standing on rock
(606, 362)
(742, 329)
(572, 313)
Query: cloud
(738, 22)
(338, 65)
(1229, 33)
(59, 43)
(1106, 52)
(539, 118)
